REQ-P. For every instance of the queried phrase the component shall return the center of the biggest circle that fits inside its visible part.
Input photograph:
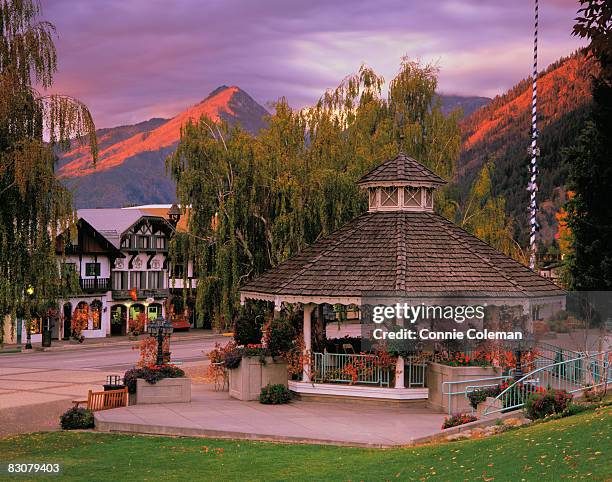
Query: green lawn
(577, 447)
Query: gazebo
(400, 248)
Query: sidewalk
(215, 414)
(66, 345)
(32, 399)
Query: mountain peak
(227, 103)
(221, 89)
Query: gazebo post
(399, 372)
(308, 309)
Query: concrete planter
(167, 390)
(246, 381)
(438, 374)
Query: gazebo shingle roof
(401, 253)
(401, 168)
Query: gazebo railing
(415, 368)
(349, 368)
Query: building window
(154, 311)
(35, 326)
(389, 196)
(160, 242)
(96, 314)
(138, 280)
(92, 269)
(156, 280)
(143, 242)
(412, 196)
(120, 280)
(429, 197)
(125, 242)
(178, 270)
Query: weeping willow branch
(36, 208)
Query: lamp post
(160, 329)
(29, 292)
(523, 345)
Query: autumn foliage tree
(484, 214)
(34, 205)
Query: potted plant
(157, 384)
(254, 366)
(458, 367)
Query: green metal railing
(349, 368)
(552, 353)
(415, 369)
(465, 387)
(573, 375)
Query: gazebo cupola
(400, 184)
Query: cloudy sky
(131, 60)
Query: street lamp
(523, 345)
(160, 329)
(30, 292)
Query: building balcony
(91, 285)
(157, 293)
(179, 283)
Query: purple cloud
(132, 60)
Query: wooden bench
(104, 400)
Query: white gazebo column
(399, 364)
(399, 372)
(308, 309)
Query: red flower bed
(458, 419)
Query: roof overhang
(367, 184)
(425, 298)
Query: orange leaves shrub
(148, 351)
(79, 322)
(136, 325)
(216, 372)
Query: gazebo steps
(357, 393)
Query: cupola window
(412, 196)
(429, 197)
(372, 192)
(401, 184)
(389, 196)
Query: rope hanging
(533, 187)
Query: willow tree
(34, 206)
(255, 201)
(484, 215)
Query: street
(36, 387)
(114, 358)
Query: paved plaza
(37, 387)
(215, 414)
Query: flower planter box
(167, 390)
(246, 381)
(438, 374)
(491, 402)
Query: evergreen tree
(590, 161)
(34, 206)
